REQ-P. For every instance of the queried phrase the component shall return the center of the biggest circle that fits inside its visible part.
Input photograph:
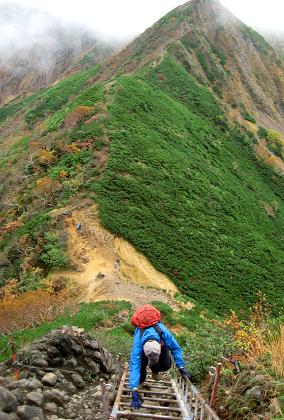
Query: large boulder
(8, 401)
(58, 375)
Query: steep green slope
(188, 194)
(48, 99)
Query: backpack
(146, 316)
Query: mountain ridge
(201, 33)
(154, 142)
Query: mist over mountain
(276, 39)
(37, 48)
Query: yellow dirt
(109, 268)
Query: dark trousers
(163, 364)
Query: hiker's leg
(164, 362)
(143, 371)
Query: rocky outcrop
(59, 378)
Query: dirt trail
(108, 267)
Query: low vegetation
(187, 192)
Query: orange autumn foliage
(76, 116)
(47, 185)
(32, 308)
(10, 227)
(45, 157)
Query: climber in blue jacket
(151, 346)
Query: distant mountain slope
(277, 41)
(41, 49)
(151, 138)
(219, 50)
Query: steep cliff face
(40, 49)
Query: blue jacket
(137, 350)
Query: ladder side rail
(116, 405)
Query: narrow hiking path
(107, 267)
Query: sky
(123, 19)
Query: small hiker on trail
(78, 227)
(152, 345)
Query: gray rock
(54, 395)
(49, 379)
(41, 363)
(98, 394)
(26, 412)
(18, 395)
(77, 349)
(22, 383)
(35, 398)
(77, 380)
(53, 351)
(4, 416)
(67, 387)
(8, 401)
(50, 407)
(104, 358)
(61, 411)
(4, 382)
(34, 384)
(72, 415)
(94, 367)
(13, 416)
(93, 344)
(80, 370)
(255, 393)
(40, 373)
(71, 362)
(57, 361)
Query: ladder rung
(130, 414)
(155, 407)
(152, 386)
(152, 392)
(166, 400)
(149, 379)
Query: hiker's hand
(184, 373)
(136, 400)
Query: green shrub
(53, 98)
(31, 280)
(275, 142)
(166, 311)
(205, 348)
(53, 255)
(71, 163)
(248, 117)
(262, 132)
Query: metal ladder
(170, 398)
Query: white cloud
(119, 18)
(124, 18)
(260, 14)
